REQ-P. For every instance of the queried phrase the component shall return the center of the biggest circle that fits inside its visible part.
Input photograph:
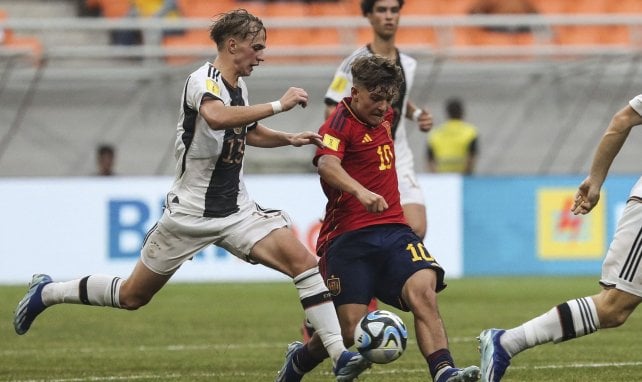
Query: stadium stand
(113, 8)
(540, 112)
(15, 46)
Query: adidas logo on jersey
(366, 139)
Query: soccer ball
(381, 336)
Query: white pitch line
(583, 365)
(181, 347)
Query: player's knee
(614, 307)
(612, 316)
(420, 298)
(133, 302)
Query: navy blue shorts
(376, 261)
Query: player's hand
(425, 121)
(374, 203)
(292, 97)
(586, 197)
(307, 138)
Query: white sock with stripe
(99, 290)
(572, 319)
(319, 310)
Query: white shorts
(621, 268)
(409, 189)
(176, 237)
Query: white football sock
(319, 310)
(572, 319)
(96, 290)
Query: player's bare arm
(330, 169)
(221, 117)
(292, 97)
(588, 193)
(419, 115)
(263, 136)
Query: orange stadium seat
(453, 7)
(589, 6)
(255, 7)
(286, 36)
(204, 8)
(624, 6)
(286, 9)
(419, 8)
(114, 8)
(627, 7)
(551, 6)
(29, 44)
(193, 37)
(339, 8)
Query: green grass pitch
(238, 332)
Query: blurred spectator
(504, 7)
(105, 157)
(88, 8)
(147, 8)
(452, 146)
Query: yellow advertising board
(564, 236)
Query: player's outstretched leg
(467, 374)
(350, 365)
(494, 359)
(31, 304)
(289, 372)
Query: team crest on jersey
(212, 87)
(238, 130)
(366, 138)
(334, 285)
(331, 142)
(386, 125)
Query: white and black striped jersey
(636, 104)
(209, 163)
(342, 84)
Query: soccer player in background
(208, 202)
(383, 16)
(621, 279)
(366, 246)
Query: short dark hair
(237, 23)
(455, 108)
(368, 5)
(105, 149)
(374, 72)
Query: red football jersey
(367, 154)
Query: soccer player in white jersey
(621, 279)
(383, 16)
(208, 202)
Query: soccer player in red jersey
(366, 246)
